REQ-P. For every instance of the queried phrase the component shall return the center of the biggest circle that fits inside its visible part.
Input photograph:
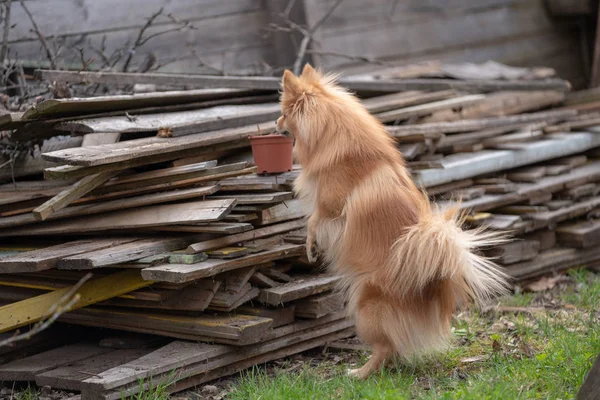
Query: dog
(406, 265)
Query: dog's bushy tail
(436, 249)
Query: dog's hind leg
(381, 355)
(370, 320)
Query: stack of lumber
(201, 260)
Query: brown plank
(298, 289)
(517, 251)
(28, 368)
(74, 192)
(113, 205)
(185, 273)
(146, 217)
(251, 235)
(48, 257)
(125, 252)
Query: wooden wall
(516, 32)
(231, 35)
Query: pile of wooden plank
(202, 261)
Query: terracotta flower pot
(272, 153)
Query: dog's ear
(309, 74)
(290, 83)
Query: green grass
(29, 393)
(522, 356)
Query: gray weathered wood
(48, 257)
(180, 123)
(186, 273)
(146, 217)
(241, 237)
(298, 289)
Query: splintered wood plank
(581, 234)
(241, 237)
(235, 280)
(219, 328)
(167, 175)
(141, 151)
(186, 273)
(29, 311)
(320, 305)
(566, 213)
(180, 122)
(239, 299)
(546, 238)
(145, 217)
(114, 205)
(74, 192)
(48, 257)
(76, 106)
(26, 369)
(297, 289)
(125, 252)
(70, 376)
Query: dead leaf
(496, 346)
(526, 349)
(546, 283)
(474, 359)
(165, 132)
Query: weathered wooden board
(113, 205)
(48, 257)
(28, 311)
(180, 123)
(126, 252)
(146, 217)
(185, 273)
(491, 161)
(273, 83)
(155, 146)
(298, 289)
(28, 368)
(242, 237)
(580, 234)
(56, 108)
(220, 328)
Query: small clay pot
(272, 153)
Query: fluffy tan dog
(406, 265)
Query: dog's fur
(406, 265)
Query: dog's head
(305, 101)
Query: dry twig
(41, 37)
(62, 306)
(4, 52)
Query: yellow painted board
(29, 311)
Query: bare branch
(369, 60)
(4, 51)
(40, 36)
(308, 36)
(65, 304)
(139, 39)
